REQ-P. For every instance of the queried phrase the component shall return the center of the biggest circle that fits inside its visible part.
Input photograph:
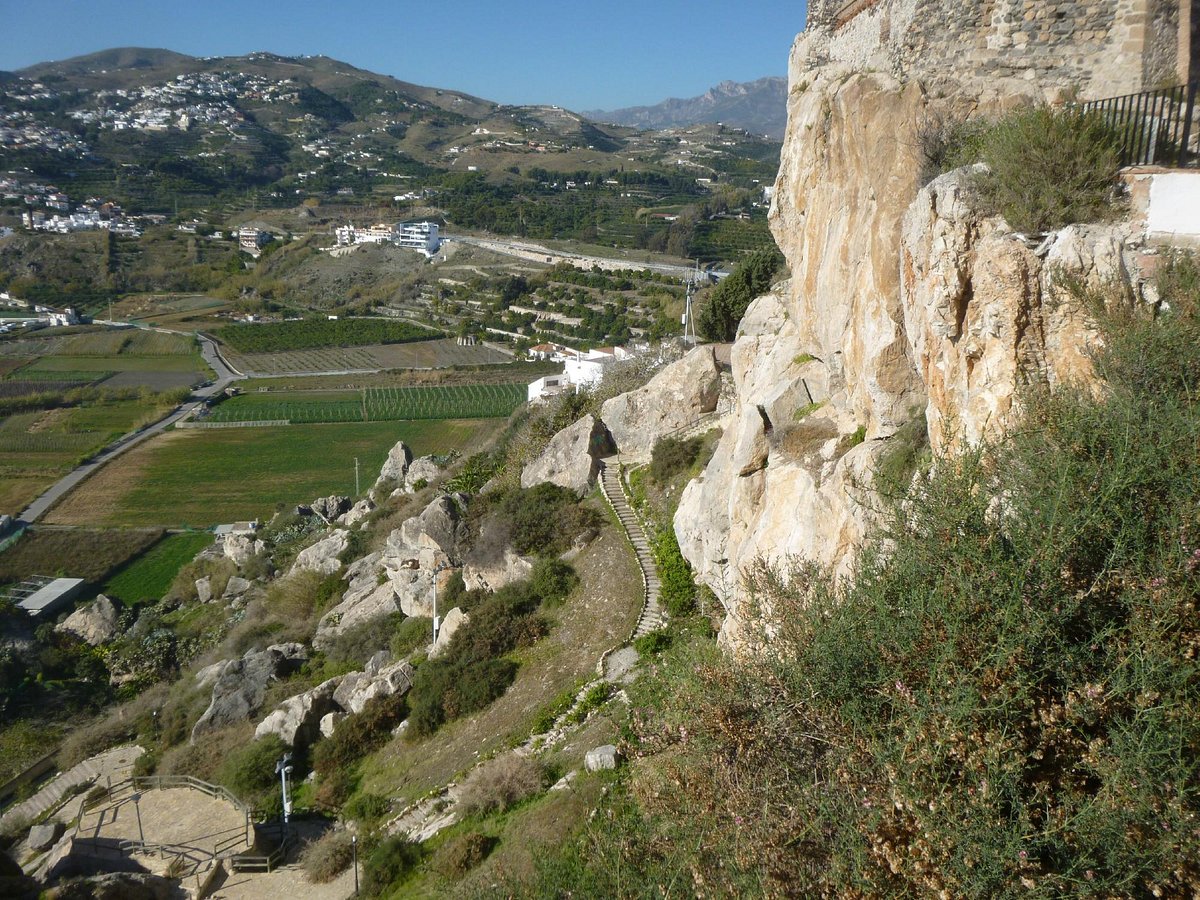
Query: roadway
(539, 253)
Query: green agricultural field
(468, 401)
(91, 554)
(200, 478)
(313, 334)
(149, 576)
(38, 448)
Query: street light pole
(284, 769)
(356, 491)
(354, 846)
(442, 567)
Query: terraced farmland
(469, 401)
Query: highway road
(538, 253)
(226, 375)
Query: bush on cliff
(718, 316)
(1003, 701)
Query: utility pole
(356, 476)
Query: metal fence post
(1189, 111)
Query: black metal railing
(1156, 127)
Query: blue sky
(578, 55)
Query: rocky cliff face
(902, 302)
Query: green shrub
(946, 143)
(462, 853)
(653, 643)
(367, 808)
(360, 642)
(1049, 168)
(411, 633)
(249, 772)
(544, 519)
(678, 591)
(552, 580)
(389, 864)
(595, 697)
(443, 691)
(671, 456)
(359, 734)
(327, 857)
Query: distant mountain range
(759, 107)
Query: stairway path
(653, 616)
(115, 764)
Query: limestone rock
(440, 527)
(422, 469)
(358, 512)
(239, 685)
(95, 624)
(370, 595)
(676, 396)
(297, 720)
(322, 557)
(42, 837)
(395, 467)
(126, 886)
(241, 548)
(986, 314)
(572, 458)
(357, 688)
(329, 723)
(599, 758)
(331, 507)
(204, 591)
(235, 587)
(451, 622)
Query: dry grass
(501, 783)
(108, 487)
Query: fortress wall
(1099, 47)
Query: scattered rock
(605, 757)
(422, 469)
(451, 622)
(675, 397)
(358, 512)
(440, 526)
(330, 508)
(395, 467)
(566, 781)
(95, 624)
(125, 886)
(322, 557)
(42, 837)
(365, 599)
(329, 723)
(572, 458)
(235, 587)
(357, 688)
(204, 590)
(241, 548)
(239, 685)
(297, 720)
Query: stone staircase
(115, 764)
(653, 617)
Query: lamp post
(438, 570)
(354, 848)
(283, 769)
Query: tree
(718, 318)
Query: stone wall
(1101, 48)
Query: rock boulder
(322, 557)
(239, 685)
(675, 397)
(331, 507)
(241, 548)
(95, 624)
(42, 837)
(572, 458)
(599, 758)
(357, 688)
(451, 622)
(297, 720)
(395, 467)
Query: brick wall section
(1100, 47)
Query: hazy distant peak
(759, 106)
